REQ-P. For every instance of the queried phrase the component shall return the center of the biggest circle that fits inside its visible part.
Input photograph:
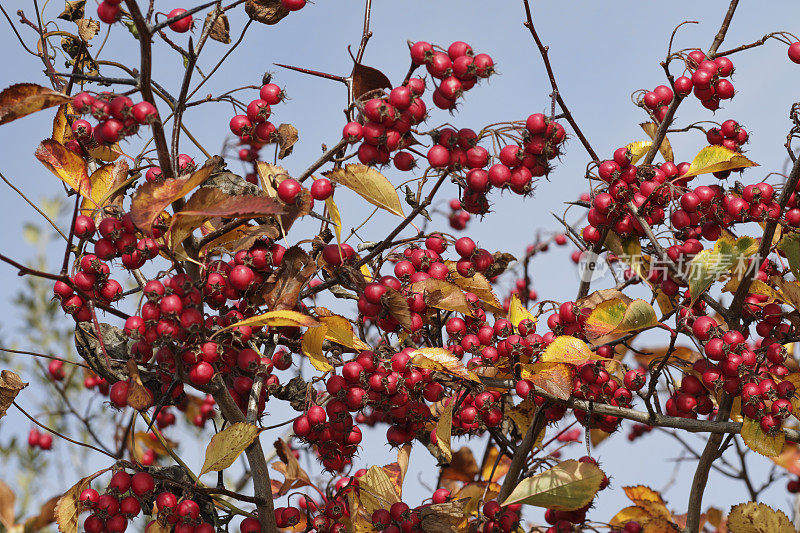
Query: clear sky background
(601, 52)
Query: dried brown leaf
(265, 11)
(397, 305)
(139, 396)
(296, 269)
(10, 385)
(7, 500)
(221, 29)
(367, 79)
(287, 137)
(73, 10)
(87, 28)
(23, 99)
(448, 517)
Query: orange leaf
(66, 165)
(554, 378)
(104, 184)
(23, 99)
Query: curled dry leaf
(717, 159)
(227, 445)
(397, 305)
(479, 286)
(752, 517)
(220, 29)
(462, 467)
(649, 500)
(443, 361)
(367, 79)
(152, 198)
(265, 11)
(444, 429)
(370, 184)
(62, 132)
(665, 148)
(278, 319)
(448, 517)
(517, 312)
(287, 138)
(23, 99)
(443, 295)
(88, 28)
(68, 506)
(500, 264)
(10, 385)
(297, 268)
(73, 10)
(139, 396)
(294, 475)
(567, 486)
(638, 150)
(311, 346)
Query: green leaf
(567, 486)
(717, 159)
(760, 442)
(620, 316)
(709, 265)
(790, 245)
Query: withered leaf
(294, 475)
(220, 31)
(448, 517)
(7, 499)
(87, 28)
(23, 99)
(462, 467)
(10, 385)
(501, 262)
(287, 137)
(397, 306)
(73, 10)
(67, 507)
(367, 79)
(139, 396)
(265, 11)
(46, 516)
(296, 269)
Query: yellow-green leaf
(311, 346)
(758, 441)
(568, 349)
(638, 150)
(717, 159)
(227, 445)
(567, 486)
(517, 312)
(377, 490)
(619, 316)
(444, 428)
(790, 245)
(443, 361)
(709, 265)
(370, 184)
(753, 517)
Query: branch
(712, 52)
(521, 454)
(543, 51)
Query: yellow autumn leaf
(760, 442)
(627, 514)
(442, 360)
(227, 445)
(444, 429)
(568, 349)
(103, 181)
(311, 346)
(370, 184)
(278, 319)
(717, 159)
(68, 506)
(649, 500)
(753, 517)
(517, 312)
(336, 217)
(638, 150)
(23, 99)
(650, 129)
(554, 378)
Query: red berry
(183, 24)
(289, 190)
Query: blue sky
(601, 52)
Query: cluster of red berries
(657, 101)
(126, 496)
(705, 210)
(458, 69)
(385, 125)
(290, 190)
(730, 135)
(117, 117)
(594, 383)
(646, 187)
(254, 128)
(709, 79)
(457, 218)
(40, 439)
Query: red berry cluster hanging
(40, 439)
(457, 218)
(117, 117)
(730, 135)
(254, 128)
(709, 79)
(658, 100)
